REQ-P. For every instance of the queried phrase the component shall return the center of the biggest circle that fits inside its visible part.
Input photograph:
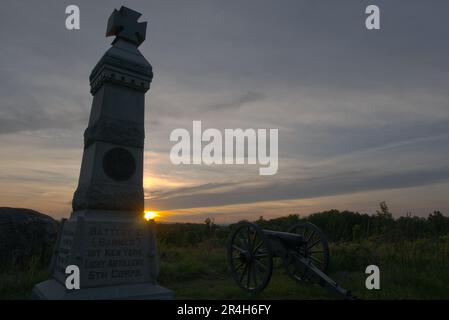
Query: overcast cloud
(357, 111)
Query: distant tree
(439, 224)
(436, 215)
(384, 210)
(210, 225)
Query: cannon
(304, 250)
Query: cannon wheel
(315, 248)
(250, 257)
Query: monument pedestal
(54, 290)
(116, 256)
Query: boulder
(25, 235)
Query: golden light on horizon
(150, 215)
(150, 181)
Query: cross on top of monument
(123, 24)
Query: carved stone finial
(123, 24)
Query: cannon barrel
(289, 239)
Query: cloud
(32, 120)
(209, 187)
(343, 183)
(246, 98)
(39, 176)
(50, 103)
(356, 110)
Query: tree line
(339, 226)
(354, 226)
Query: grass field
(409, 270)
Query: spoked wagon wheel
(250, 257)
(315, 248)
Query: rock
(24, 235)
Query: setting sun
(150, 215)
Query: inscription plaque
(110, 253)
(63, 254)
(116, 253)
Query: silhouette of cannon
(304, 250)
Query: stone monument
(106, 236)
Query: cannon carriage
(304, 250)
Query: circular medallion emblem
(119, 164)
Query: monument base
(112, 254)
(53, 290)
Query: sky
(363, 116)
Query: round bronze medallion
(119, 164)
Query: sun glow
(150, 215)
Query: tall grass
(17, 279)
(412, 269)
(409, 270)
